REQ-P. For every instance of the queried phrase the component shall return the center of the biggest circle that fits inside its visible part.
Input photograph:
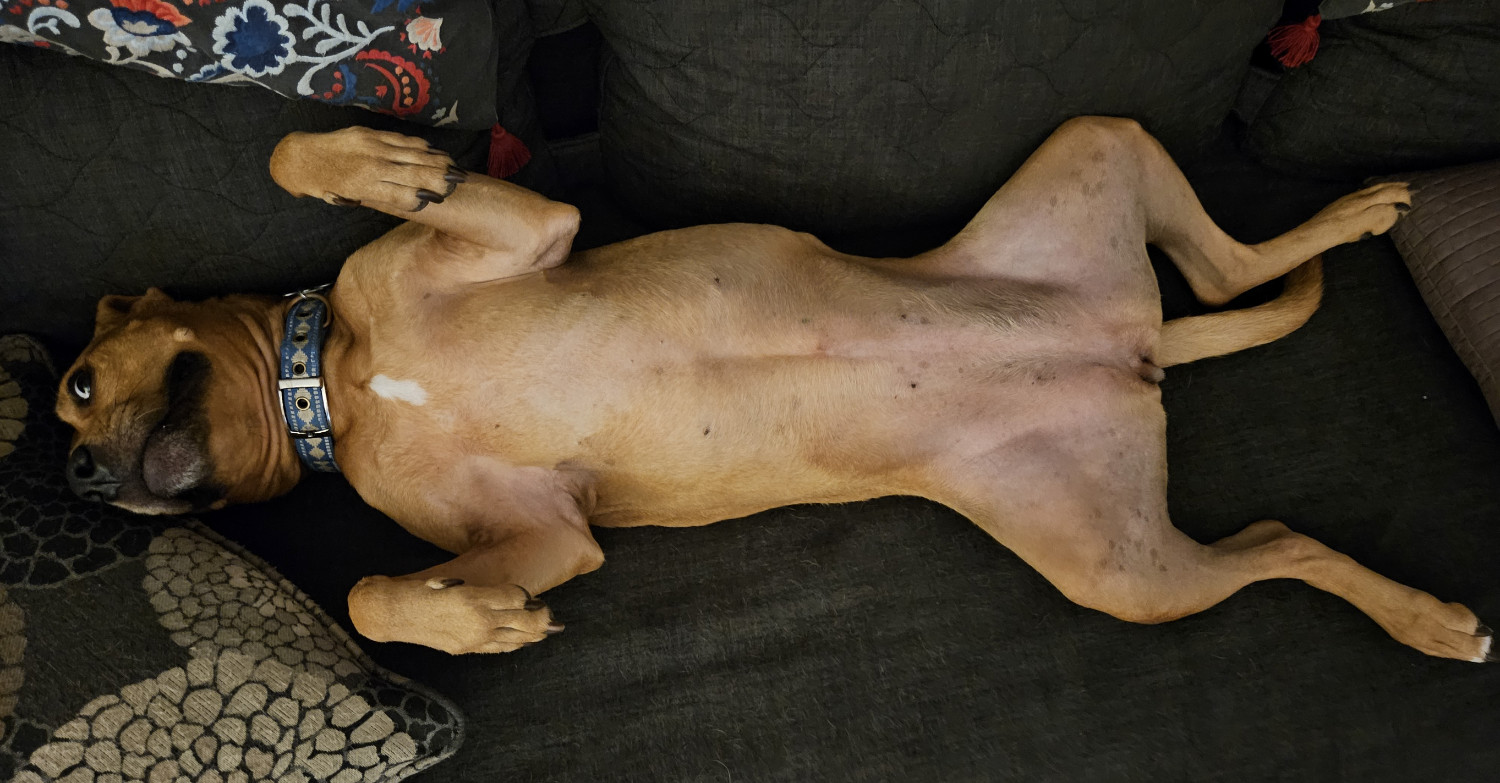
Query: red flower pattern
(403, 79)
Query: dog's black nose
(89, 479)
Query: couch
(890, 639)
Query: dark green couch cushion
(1410, 88)
(852, 114)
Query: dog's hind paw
(1443, 630)
(1365, 213)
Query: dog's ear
(114, 309)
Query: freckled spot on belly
(393, 389)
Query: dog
(497, 394)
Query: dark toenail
(534, 604)
(421, 204)
(1366, 235)
(456, 174)
(344, 202)
(427, 195)
(1483, 630)
(1402, 207)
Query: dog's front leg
(491, 229)
(532, 536)
(470, 604)
(479, 602)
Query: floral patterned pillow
(429, 61)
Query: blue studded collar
(304, 400)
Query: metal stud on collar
(314, 294)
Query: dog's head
(167, 406)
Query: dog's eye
(82, 385)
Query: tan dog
(497, 401)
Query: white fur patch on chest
(392, 389)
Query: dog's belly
(698, 379)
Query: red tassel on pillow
(507, 153)
(1295, 44)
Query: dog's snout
(89, 479)
(81, 464)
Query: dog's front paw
(448, 615)
(378, 169)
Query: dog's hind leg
(1103, 183)
(1159, 575)
(1086, 507)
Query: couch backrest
(839, 115)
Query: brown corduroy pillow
(1451, 243)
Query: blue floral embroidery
(339, 51)
(140, 26)
(142, 23)
(208, 73)
(401, 5)
(253, 39)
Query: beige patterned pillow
(142, 648)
